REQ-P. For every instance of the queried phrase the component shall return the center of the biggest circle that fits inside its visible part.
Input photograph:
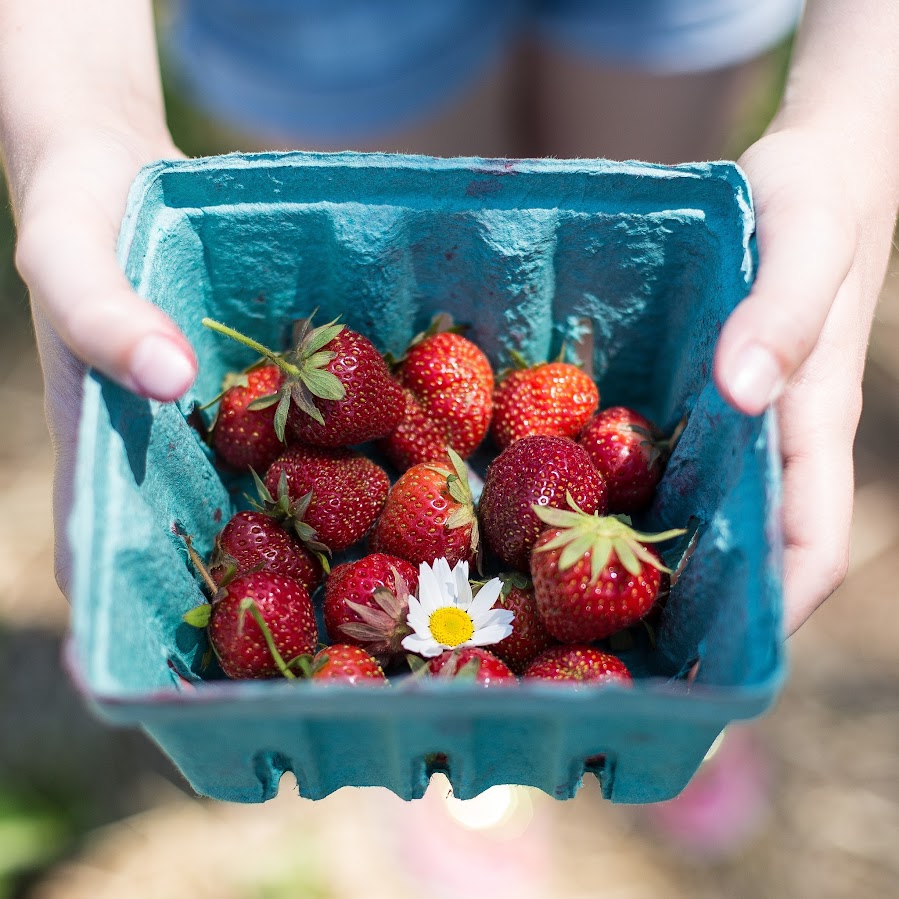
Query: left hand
(799, 340)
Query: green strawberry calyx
(305, 368)
(382, 629)
(581, 533)
(460, 490)
(292, 513)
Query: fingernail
(160, 368)
(757, 381)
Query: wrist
(39, 161)
(854, 167)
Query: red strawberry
(453, 382)
(243, 433)
(417, 438)
(529, 637)
(367, 602)
(254, 540)
(553, 399)
(429, 514)
(630, 453)
(371, 403)
(346, 664)
(472, 662)
(593, 575)
(244, 648)
(332, 497)
(336, 390)
(579, 663)
(534, 471)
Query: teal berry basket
(524, 252)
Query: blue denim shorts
(343, 70)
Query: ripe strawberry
(346, 664)
(529, 637)
(371, 403)
(336, 390)
(429, 514)
(555, 399)
(416, 439)
(579, 663)
(255, 541)
(367, 601)
(472, 662)
(243, 434)
(330, 496)
(534, 471)
(453, 382)
(629, 452)
(246, 648)
(593, 575)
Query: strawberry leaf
(302, 396)
(459, 493)
(627, 557)
(264, 402)
(198, 616)
(416, 663)
(323, 384)
(576, 550)
(460, 517)
(557, 518)
(318, 338)
(281, 414)
(469, 671)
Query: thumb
(70, 266)
(805, 252)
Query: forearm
(68, 67)
(844, 84)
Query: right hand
(69, 206)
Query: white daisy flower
(446, 616)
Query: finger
(817, 553)
(70, 267)
(805, 253)
(819, 417)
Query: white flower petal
(487, 596)
(423, 646)
(430, 594)
(417, 618)
(488, 635)
(442, 572)
(462, 586)
(503, 617)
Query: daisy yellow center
(450, 626)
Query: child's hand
(824, 224)
(69, 209)
(68, 223)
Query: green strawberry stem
(304, 663)
(249, 605)
(276, 358)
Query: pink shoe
(725, 805)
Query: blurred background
(810, 807)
